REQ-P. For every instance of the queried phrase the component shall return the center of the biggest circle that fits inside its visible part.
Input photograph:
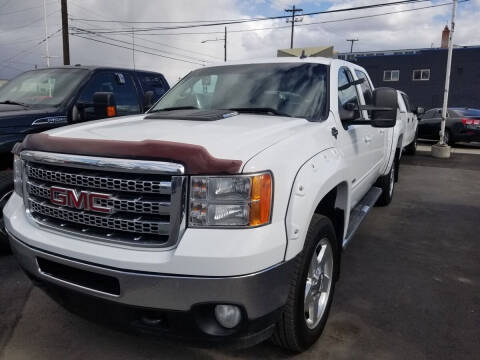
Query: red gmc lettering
(79, 200)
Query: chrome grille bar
(144, 201)
(137, 226)
(98, 182)
(116, 203)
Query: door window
(347, 93)
(122, 87)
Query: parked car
(408, 117)
(462, 125)
(222, 213)
(44, 99)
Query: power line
(143, 46)
(22, 10)
(29, 50)
(129, 48)
(240, 21)
(138, 37)
(301, 25)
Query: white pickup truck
(222, 213)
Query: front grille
(144, 209)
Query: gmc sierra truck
(44, 99)
(222, 213)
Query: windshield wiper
(176, 108)
(259, 110)
(11, 102)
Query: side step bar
(360, 211)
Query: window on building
(422, 74)
(391, 75)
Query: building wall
(464, 82)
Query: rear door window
(407, 102)
(366, 87)
(153, 82)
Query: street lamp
(224, 39)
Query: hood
(239, 137)
(20, 116)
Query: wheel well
(333, 206)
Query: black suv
(43, 99)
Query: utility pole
(351, 44)
(293, 10)
(224, 39)
(66, 42)
(225, 46)
(133, 47)
(47, 53)
(442, 150)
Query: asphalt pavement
(409, 287)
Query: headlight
(236, 201)
(18, 174)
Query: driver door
(356, 141)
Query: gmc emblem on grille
(84, 200)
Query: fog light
(228, 316)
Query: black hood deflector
(192, 114)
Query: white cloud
(404, 30)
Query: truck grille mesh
(144, 208)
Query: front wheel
(311, 289)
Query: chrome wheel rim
(392, 180)
(318, 284)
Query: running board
(360, 211)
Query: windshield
(42, 88)
(290, 89)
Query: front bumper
(260, 295)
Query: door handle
(382, 131)
(367, 139)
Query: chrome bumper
(258, 293)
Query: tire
(6, 186)
(387, 184)
(448, 138)
(300, 327)
(411, 149)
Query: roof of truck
(96, 67)
(315, 60)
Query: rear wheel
(411, 149)
(311, 289)
(448, 138)
(387, 184)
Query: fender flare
(316, 178)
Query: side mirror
(104, 105)
(148, 100)
(384, 111)
(419, 111)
